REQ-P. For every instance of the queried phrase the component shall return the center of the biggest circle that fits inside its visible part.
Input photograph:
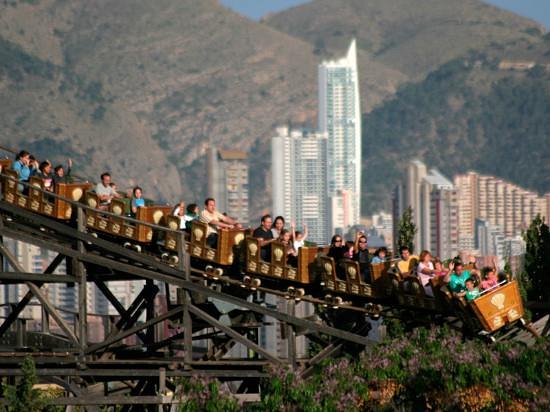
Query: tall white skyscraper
(340, 119)
(299, 173)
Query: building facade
(227, 172)
(340, 120)
(299, 171)
(434, 202)
(500, 203)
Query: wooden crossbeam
(128, 332)
(36, 278)
(14, 314)
(234, 334)
(40, 296)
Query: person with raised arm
(299, 238)
(25, 168)
(61, 175)
(490, 276)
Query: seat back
(278, 259)
(199, 231)
(9, 185)
(328, 272)
(228, 240)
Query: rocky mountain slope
(142, 88)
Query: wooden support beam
(80, 273)
(116, 304)
(38, 294)
(36, 278)
(235, 335)
(133, 330)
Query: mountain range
(142, 88)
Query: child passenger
(490, 278)
(137, 200)
(471, 291)
(379, 255)
(300, 238)
(291, 255)
(191, 215)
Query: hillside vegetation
(467, 115)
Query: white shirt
(298, 244)
(424, 278)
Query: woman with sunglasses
(337, 248)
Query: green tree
(23, 397)
(537, 260)
(407, 230)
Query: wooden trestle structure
(104, 371)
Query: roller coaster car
(40, 202)
(5, 164)
(353, 284)
(441, 294)
(277, 267)
(223, 254)
(412, 293)
(498, 307)
(118, 226)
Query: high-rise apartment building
(489, 238)
(500, 203)
(434, 203)
(228, 182)
(443, 221)
(299, 171)
(466, 186)
(340, 120)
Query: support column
(291, 335)
(184, 265)
(80, 274)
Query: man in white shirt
(105, 191)
(215, 221)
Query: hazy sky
(535, 9)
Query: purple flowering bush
(436, 368)
(200, 393)
(431, 369)
(335, 386)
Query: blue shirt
(138, 202)
(458, 283)
(22, 170)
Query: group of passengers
(357, 251)
(467, 282)
(267, 232)
(27, 166)
(270, 231)
(462, 282)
